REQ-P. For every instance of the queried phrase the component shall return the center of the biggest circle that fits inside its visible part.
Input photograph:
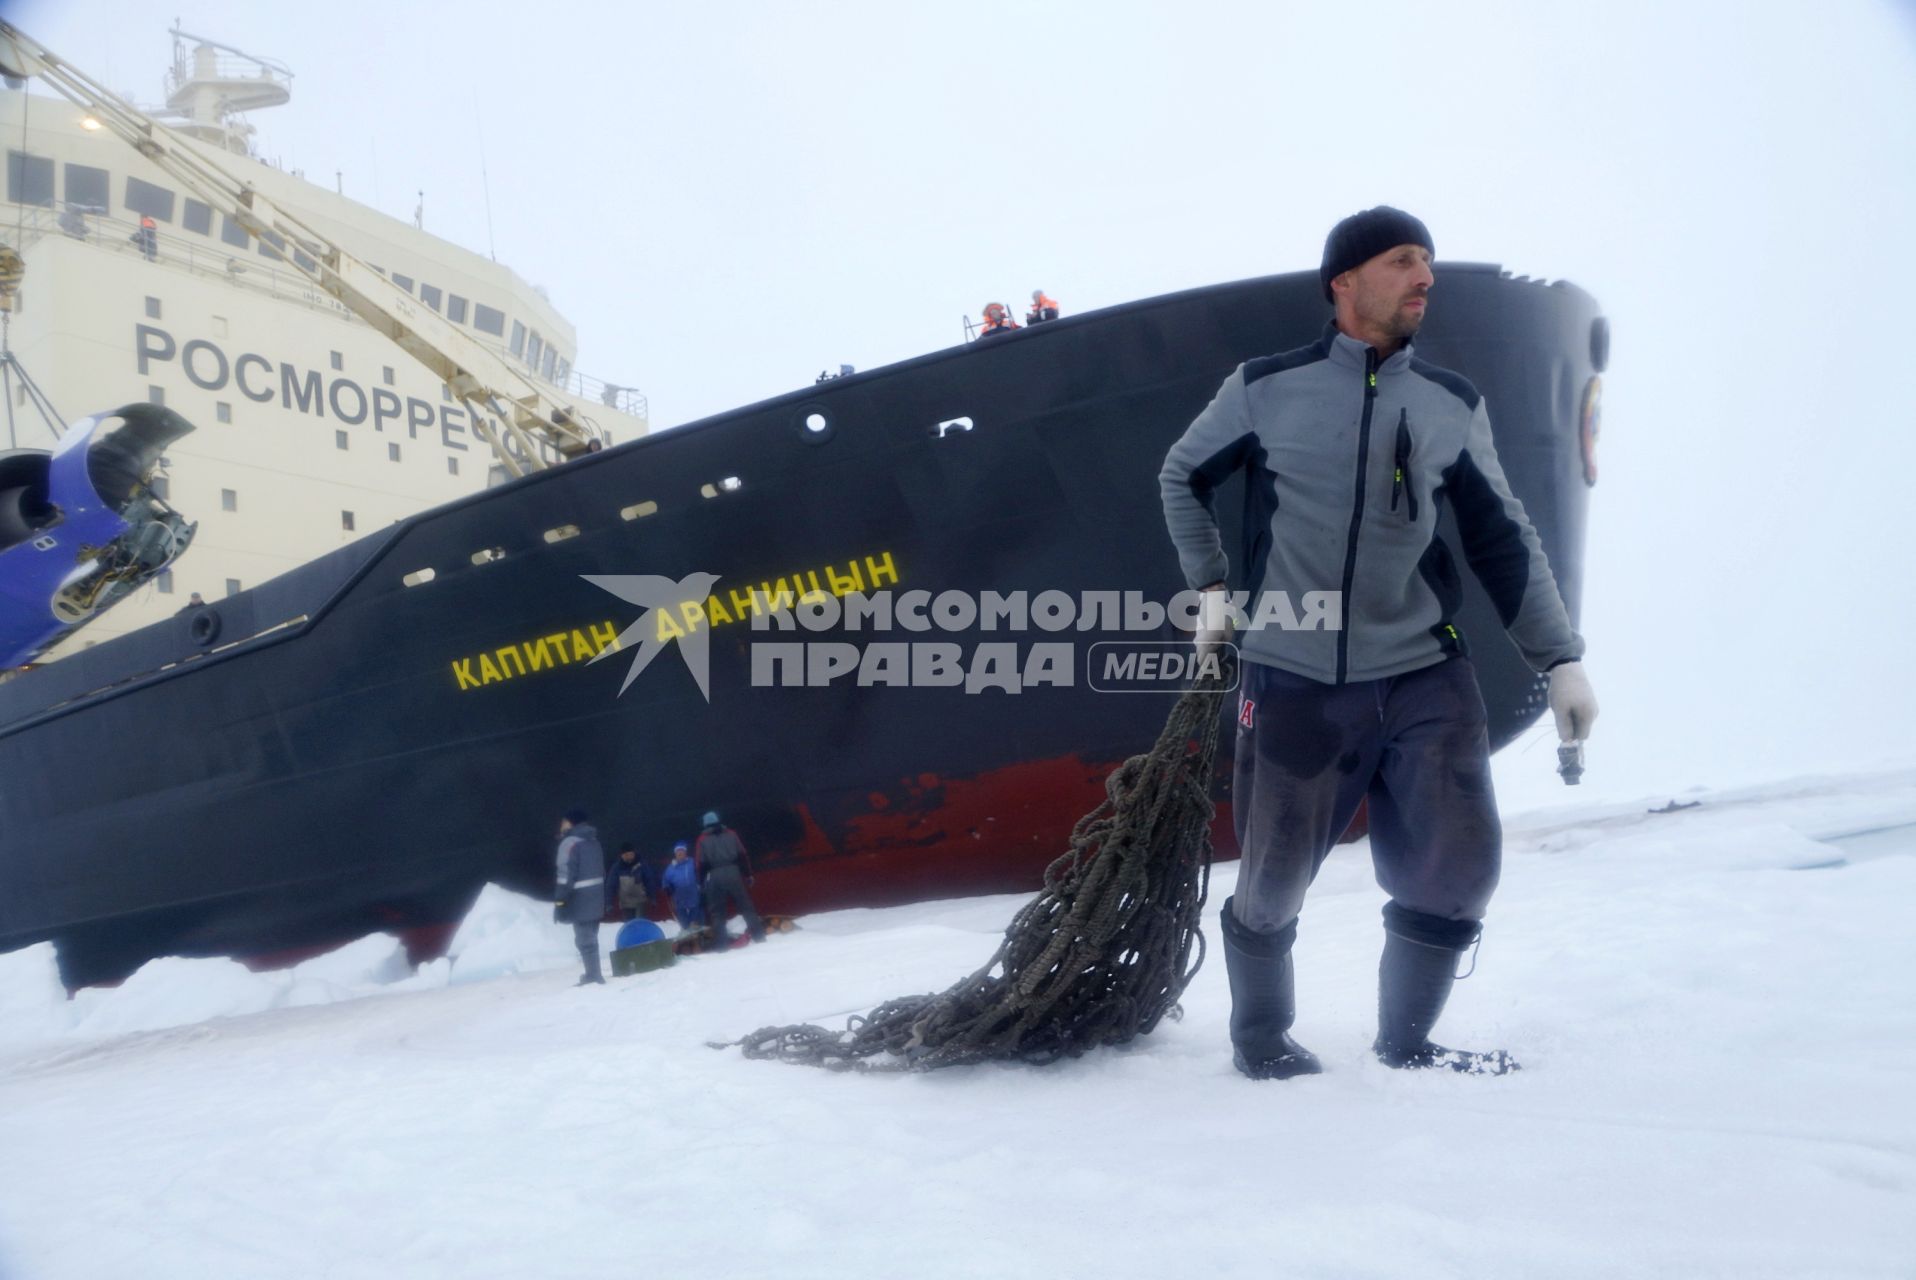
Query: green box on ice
(643, 958)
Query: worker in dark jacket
(682, 882)
(580, 892)
(632, 883)
(1356, 682)
(725, 870)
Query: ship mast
(515, 414)
(206, 93)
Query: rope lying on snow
(1098, 957)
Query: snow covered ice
(1715, 1008)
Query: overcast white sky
(726, 198)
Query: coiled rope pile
(1097, 957)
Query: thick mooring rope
(1096, 958)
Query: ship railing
(243, 268)
(589, 390)
(254, 271)
(189, 68)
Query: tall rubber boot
(587, 939)
(1263, 1002)
(1413, 982)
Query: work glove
(1214, 622)
(1572, 701)
(558, 910)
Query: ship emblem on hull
(655, 593)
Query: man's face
(629, 855)
(1391, 291)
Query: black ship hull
(337, 752)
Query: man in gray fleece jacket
(1356, 681)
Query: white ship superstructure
(312, 427)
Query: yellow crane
(520, 417)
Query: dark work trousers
(724, 888)
(586, 936)
(1415, 744)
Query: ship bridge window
(404, 282)
(487, 320)
(87, 187)
(195, 217)
(518, 343)
(233, 233)
(533, 348)
(144, 197)
(270, 244)
(546, 366)
(429, 294)
(565, 371)
(303, 262)
(29, 179)
(455, 308)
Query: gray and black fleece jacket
(1346, 459)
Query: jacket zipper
(1400, 478)
(1357, 514)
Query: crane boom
(518, 416)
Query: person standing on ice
(1355, 679)
(633, 891)
(724, 869)
(682, 882)
(580, 896)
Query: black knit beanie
(1362, 236)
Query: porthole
(815, 425)
(638, 511)
(418, 577)
(561, 533)
(489, 555)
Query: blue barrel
(635, 933)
